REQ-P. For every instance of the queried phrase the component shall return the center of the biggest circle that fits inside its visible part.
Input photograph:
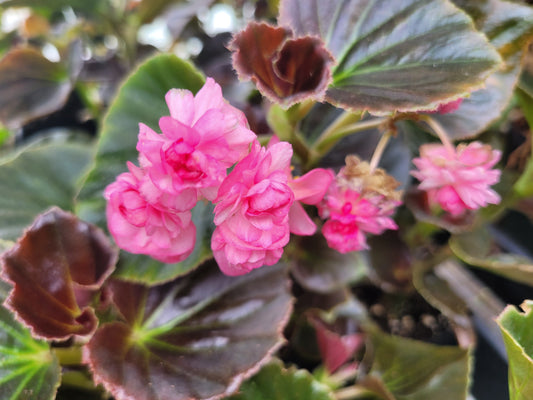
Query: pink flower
(309, 188)
(351, 215)
(458, 179)
(359, 201)
(202, 137)
(252, 211)
(142, 228)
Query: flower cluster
(359, 201)
(257, 204)
(458, 179)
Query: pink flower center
(182, 161)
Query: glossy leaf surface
(31, 86)
(195, 338)
(509, 27)
(477, 248)
(414, 370)
(408, 56)
(516, 331)
(54, 268)
(39, 177)
(274, 382)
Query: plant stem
(78, 379)
(68, 355)
(439, 130)
(346, 118)
(351, 393)
(380, 148)
(339, 130)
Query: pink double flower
(257, 204)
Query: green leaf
(274, 382)
(509, 27)
(144, 269)
(39, 177)
(28, 370)
(414, 370)
(524, 185)
(408, 56)
(195, 338)
(516, 331)
(476, 248)
(55, 268)
(31, 86)
(140, 99)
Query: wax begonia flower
(359, 201)
(203, 136)
(458, 179)
(142, 228)
(252, 211)
(309, 188)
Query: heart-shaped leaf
(28, 369)
(516, 331)
(477, 248)
(410, 55)
(195, 338)
(414, 370)
(141, 98)
(144, 269)
(31, 86)
(274, 382)
(55, 267)
(321, 269)
(509, 27)
(38, 178)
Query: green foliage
(516, 331)
(475, 248)
(28, 368)
(273, 382)
(413, 370)
(409, 65)
(39, 177)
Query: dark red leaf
(285, 69)
(55, 268)
(195, 338)
(31, 86)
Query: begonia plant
(318, 209)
